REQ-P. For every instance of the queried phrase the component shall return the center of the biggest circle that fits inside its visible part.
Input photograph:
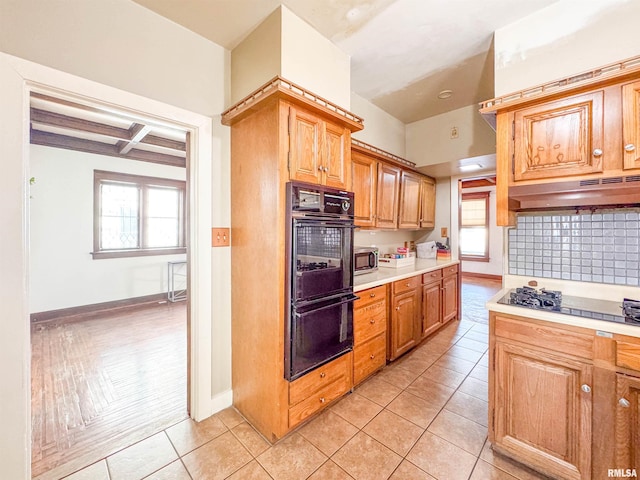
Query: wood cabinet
(583, 132)
(409, 213)
(450, 293)
(404, 317)
(427, 202)
(559, 138)
(317, 389)
(440, 298)
(431, 307)
(369, 332)
(564, 400)
(631, 125)
(389, 194)
(319, 150)
(276, 135)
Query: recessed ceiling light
(445, 94)
(471, 167)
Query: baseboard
(485, 276)
(87, 311)
(221, 401)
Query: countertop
(388, 275)
(596, 305)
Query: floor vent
(586, 183)
(606, 181)
(632, 178)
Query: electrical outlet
(454, 132)
(220, 237)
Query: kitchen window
(136, 215)
(474, 227)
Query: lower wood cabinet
(542, 413)
(317, 389)
(450, 293)
(404, 315)
(369, 332)
(627, 427)
(440, 298)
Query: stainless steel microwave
(365, 260)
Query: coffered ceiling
(403, 52)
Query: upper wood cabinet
(559, 138)
(427, 203)
(409, 214)
(388, 195)
(631, 125)
(319, 150)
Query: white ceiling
(403, 52)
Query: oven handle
(322, 223)
(349, 299)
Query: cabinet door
(387, 196)
(404, 314)
(449, 298)
(543, 415)
(305, 133)
(335, 156)
(559, 138)
(363, 184)
(409, 214)
(427, 203)
(627, 422)
(631, 125)
(431, 309)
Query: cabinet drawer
(431, 277)
(559, 339)
(628, 355)
(318, 400)
(369, 296)
(452, 270)
(318, 379)
(369, 321)
(369, 357)
(400, 286)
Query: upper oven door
(322, 258)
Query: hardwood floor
(100, 384)
(475, 292)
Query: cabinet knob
(320, 168)
(321, 399)
(322, 375)
(585, 388)
(408, 284)
(624, 403)
(373, 356)
(397, 308)
(372, 321)
(630, 147)
(597, 152)
(372, 295)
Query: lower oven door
(319, 332)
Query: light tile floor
(422, 417)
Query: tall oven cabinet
(266, 153)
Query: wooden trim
(475, 196)
(282, 88)
(486, 276)
(380, 154)
(95, 309)
(612, 72)
(138, 253)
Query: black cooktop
(555, 302)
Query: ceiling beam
(98, 148)
(137, 132)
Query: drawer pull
(397, 308)
(322, 375)
(373, 356)
(372, 321)
(372, 295)
(624, 403)
(408, 284)
(321, 399)
(586, 388)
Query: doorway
(19, 79)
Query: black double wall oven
(319, 266)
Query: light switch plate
(220, 237)
(444, 232)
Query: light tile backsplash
(587, 247)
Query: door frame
(18, 78)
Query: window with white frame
(474, 226)
(136, 215)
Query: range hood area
(623, 191)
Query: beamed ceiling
(86, 128)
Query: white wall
(564, 39)
(287, 46)
(63, 272)
(429, 141)
(380, 129)
(496, 234)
